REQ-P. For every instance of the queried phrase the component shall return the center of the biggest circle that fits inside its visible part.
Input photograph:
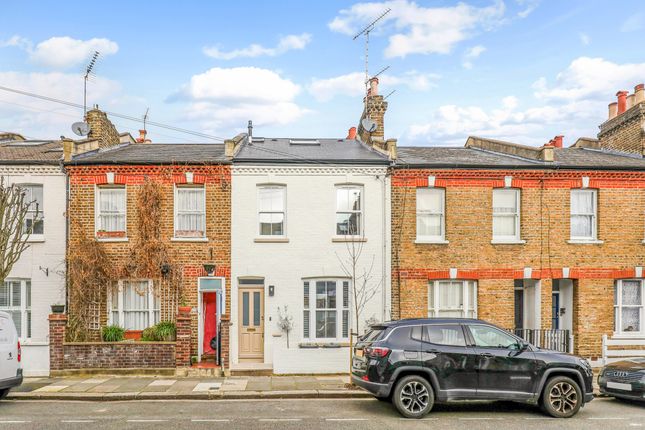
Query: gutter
(501, 167)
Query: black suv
(415, 363)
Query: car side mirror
(523, 346)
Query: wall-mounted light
(271, 290)
(165, 269)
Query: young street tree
(17, 219)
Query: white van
(10, 355)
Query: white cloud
(353, 84)
(224, 97)
(287, 43)
(528, 7)
(633, 23)
(573, 104)
(471, 54)
(62, 52)
(584, 39)
(421, 30)
(42, 119)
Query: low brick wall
(118, 355)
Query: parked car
(624, 379)
(10, 355)
(416, 363)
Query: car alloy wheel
(414, 397)
(563, 398)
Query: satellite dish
(81, 128)
(369, 125)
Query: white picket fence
(610, 355)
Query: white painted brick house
(37, 280)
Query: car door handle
(486, 355)
(433, 351)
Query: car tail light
(19, 352)
(365, 378)
(377, 352)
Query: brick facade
(188, 255)
(545, 228)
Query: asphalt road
(305, 414)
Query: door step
(251, 369)
(199, 372)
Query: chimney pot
(351, 135)
(630, 101)
(639, 94)
(622, 101)
(373, 87)
(557, 141)
(142, 136)
(613, 110)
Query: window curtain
(271, 211)
(191, 213)
(582, 213)
(504, 213)
(112, 209)
(430, 203)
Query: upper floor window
(110, 211)
(584, 206)
(327, 303)
(35, 219)
(15, 299)
(431, 214)
(190, 212)
(506, 214)
(271, 210)
(134, 306)
(628, 306)
(452, 299)
(349, 211)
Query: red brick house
(156, 218)
(548, 241)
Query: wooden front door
(251, 317)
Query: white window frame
(97, 209)
(120, 305)
(24, 308)
(283, 189)
(516, 238)
(32, 213)
(342, 308)
(593, 214)
(176, 211)
(360, 212)
(433, 299)
(618, 306)
(429, 213)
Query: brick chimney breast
(102, 129)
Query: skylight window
(304, 142)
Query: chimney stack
(101, 128)
(622, 101)
(557, 141)
(351, 134)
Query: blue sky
(520, 70)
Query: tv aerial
(81, 128)
(369, 125)
(366, 31)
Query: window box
(132, 334)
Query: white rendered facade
(299, 249)
(37, 280)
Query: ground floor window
(326, 309)
(452, 299)
(15, 299)
(628, 306)
(134, 305)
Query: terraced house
(547, 241)
(149, 233)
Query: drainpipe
(384, 250)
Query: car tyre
(413, 396)
(562, 397)
(3, 393)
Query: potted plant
(183, 306)
(112, 333)
(132, 334)
(58, 309)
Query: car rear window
(376, 333)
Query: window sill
(586, 241)
(276, 239)
(432, 241)
(189, 239)
(329, 345)
(112, 239)
(35, 238)
(340, 239)
(507, 242)
(628, 336)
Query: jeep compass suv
(415, 363)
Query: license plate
(359, 353)
(619, 386)
(358, 363)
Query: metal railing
(557, 340)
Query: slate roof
(569, 158)
(156, 153)
(293, 151)
(31, 152)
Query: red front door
(209, 303)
